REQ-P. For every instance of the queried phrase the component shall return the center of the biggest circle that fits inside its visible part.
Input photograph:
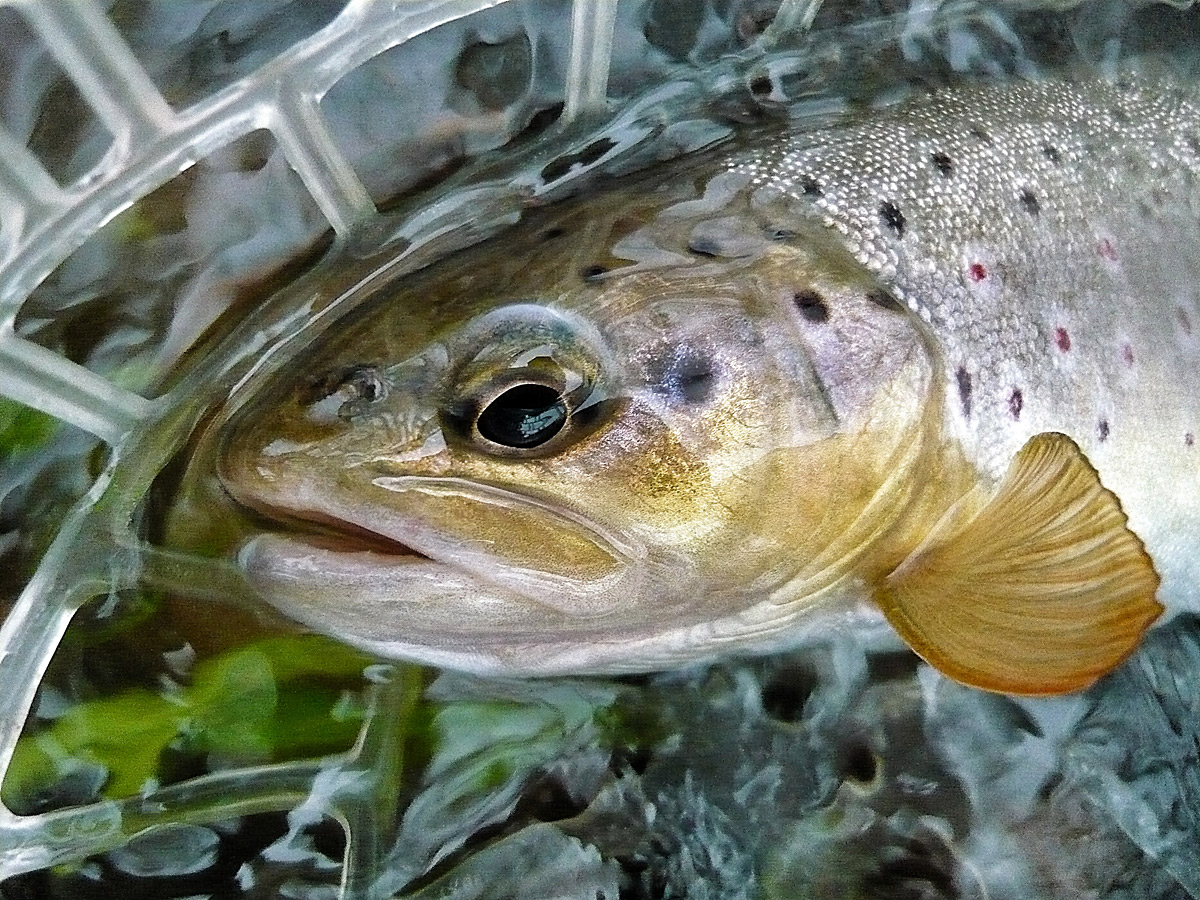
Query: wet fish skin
(812, 367)
(1047, 233)
(684, 516)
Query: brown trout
(936, 365)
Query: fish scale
(1047, 234)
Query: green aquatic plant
(22, 428)
(282, 698)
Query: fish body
(1047, 233)
(936, 361)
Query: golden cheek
(519, 532)
(658, 485)
(745, 414)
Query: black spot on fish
(811, 187)
(811, 305)
(943, 164)
(891, 216)
(885, 300)
(684, 373)
(1051, 153)
(1029, 200)
(1102, 430)
(761, 86)
(551, 233)
(1016, 401)
(963, 379)
(781, 234)
(593, 273)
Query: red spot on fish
(1185, 321)
(1189, 439)
(1127, 354)
(1106, 249)
(1062, 339)
(1016, 400)
(977, 271)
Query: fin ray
(1040, 590)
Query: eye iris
(523, 416)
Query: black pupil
(523, 416)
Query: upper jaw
(521, 544)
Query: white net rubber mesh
(42, 223)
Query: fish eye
(523, 416)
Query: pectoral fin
(1041, 590)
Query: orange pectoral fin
(1041, 591)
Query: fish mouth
(321, 530)
(389, 574)
(432, 558)
(342, 536)
(458, 524)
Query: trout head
(640, 431)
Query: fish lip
(332, 532)
(410, 541)
(349, 537)
(357, 512)
(482, 491)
